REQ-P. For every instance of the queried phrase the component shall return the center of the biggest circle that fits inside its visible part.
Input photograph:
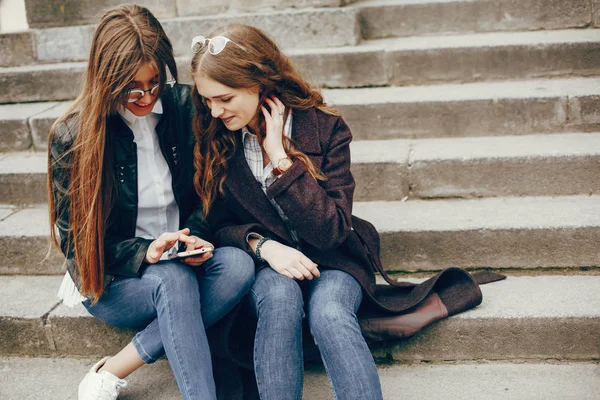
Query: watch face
(284, 164)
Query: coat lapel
(305, 132)
(248, 194)
(247, 191)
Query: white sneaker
(100, 386)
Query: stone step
(303, 28)
(294, 27)
(17, 125)
(387, 18)
(41, 14)
(560, 164)
(454, 381)
(384, 62)
(511, 232)
(472, 109)
(532, 165)
(416, 235)
(448, 110)
(521, 318)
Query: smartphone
(190, 253)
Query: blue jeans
(175, 303)
(333, 300)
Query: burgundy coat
(321, 212)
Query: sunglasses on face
(134, 95)
(215, 45)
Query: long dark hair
(127, 37)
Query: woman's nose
(216, 111)
(147, 98)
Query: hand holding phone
(190, 253)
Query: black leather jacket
(124, 253)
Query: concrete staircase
(477, 145)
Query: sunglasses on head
(215, 44)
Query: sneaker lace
(109, 390)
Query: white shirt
(157, 209)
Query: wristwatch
(282, 165)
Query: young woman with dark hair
(121, 195)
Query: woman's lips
(228, 119)
(142, 106)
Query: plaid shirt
(264, 175)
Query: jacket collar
(247, 191)
(305, 131)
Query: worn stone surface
(380, 19)
(14, 129)
(22, 320)
(502, 108)
(506, 166)
(514, 232)
(378, 181)
(380, 170)
(252, 5)
(211, 7)
(398, 61)
(41, 83)
(28, 229)
(74, 331)
(536, 329)
(508, 248)
(292, 28)
(23, 337)
(513, 339)
(187, 8)
(49, 13)
(454, 381)
(351, 67)
(559, 164)
(41, 124)
(16, 49)
(14, 135)
(63, 44)
(584, 112)
(493, 56)
(23, 178)
(518, 232)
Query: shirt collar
(130, 117)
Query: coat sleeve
(122, 256)
(229, 231)
(320, 211)
(199, 225)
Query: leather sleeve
(125, 256)
(122, 256)
(59, 165)
(320, 211)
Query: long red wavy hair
(256, 62)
